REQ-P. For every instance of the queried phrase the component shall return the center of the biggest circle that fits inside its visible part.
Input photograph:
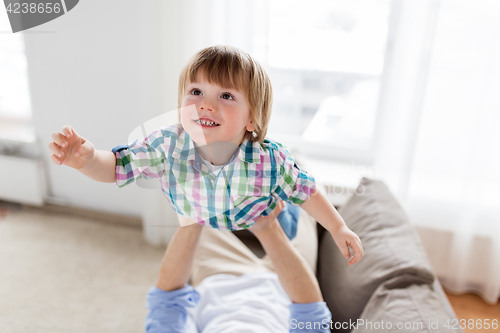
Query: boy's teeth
(206, 122)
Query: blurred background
(407, 91)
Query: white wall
(96, 68)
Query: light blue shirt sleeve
(168, 309)
(310, 317)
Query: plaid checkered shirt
(249, 185)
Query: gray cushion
(405, 304)
(391, 248)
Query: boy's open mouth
(206, 122)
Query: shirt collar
(249, 151)
(185, 150)
(184, 146)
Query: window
(326, 59)
(15, 105)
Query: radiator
(22, 180)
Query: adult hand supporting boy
(75, 151)
(323, 211)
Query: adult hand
(265, 223)
(70, 149)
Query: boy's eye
(227, 96)
(195, 91)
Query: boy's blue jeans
(289, 218)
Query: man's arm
(296, 277)
(178, 259)
(169, 300)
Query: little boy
(215, 167)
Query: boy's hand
(70, 149)
(344, 237)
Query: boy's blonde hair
(233, 68)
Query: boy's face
(228, 108)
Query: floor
(60, 273)
(63, 273)
(471, 307)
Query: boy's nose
(207, 105)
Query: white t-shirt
(253, 302)
(214, 169)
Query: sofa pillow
(405, 304)
(391, 248)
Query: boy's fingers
(59, 139)
(345, 250)
(359, 247)
(358, 252)
(67, 131)
(54, 159)
(55, 149)
(279, 207)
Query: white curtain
(441, 149)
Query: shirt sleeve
(168, 309)
(292, 184)
(310, 317)
(145, 158)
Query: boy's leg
(222, 252)
(306, 241)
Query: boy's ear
(250, 126)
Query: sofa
(393, 288)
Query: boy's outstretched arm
(75, 151)
(323, 211)
(102, 167)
